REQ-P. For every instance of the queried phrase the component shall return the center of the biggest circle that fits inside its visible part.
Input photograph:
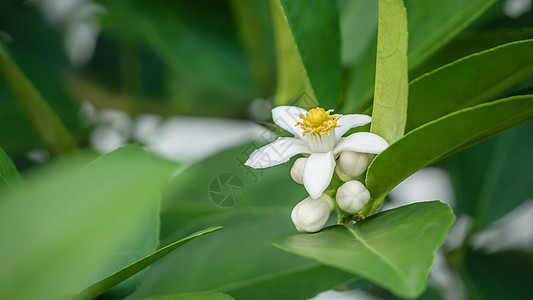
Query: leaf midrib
(393, 266)
(468, 57)
(5, 180)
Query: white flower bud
(297, 170)
(351, 165)
(310, 215)
(352, 196)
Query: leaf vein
(393, 266)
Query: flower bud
(352, 196)
(310, 215)
(297, 170)
(351, 165)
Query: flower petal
(286, 117)
(348, 122)
(365, 142)
(277, 152)
(318, 172)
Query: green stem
(375, 205)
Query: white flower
(310, 215)
(319, 135)
(352, 196)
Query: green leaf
(469, 43)
(187, 198)
(58, 229)
(145, 227)
(296, 284)
(468, 81)
(103, 285)
(261, 216)
(439, 138)
(311, 21)
(394, 249)
(191, 296)
(9, 175)
(46, 123)
(431, 24)
(496, 169)
(252, 270)
(390, 100)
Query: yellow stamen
(318, 121)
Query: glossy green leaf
(145, 228)
(439, 138)
(192, 296)
(468, 81)
(296, 284)
(469, 43)
(390, 100)
(431, 24)
(9, 175)
(58, 230)
(125, 273)
(46, 123)
(496, 169)
(394, 249)
(311, 21)
(253, 270)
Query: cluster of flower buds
(319, 137)
(352, 196)
(310, 215)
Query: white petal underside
(318, 172)
(286, 117)
(365, 142)
(347, 122)
(277, 152)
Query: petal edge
(277, 152)
(364, 142)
